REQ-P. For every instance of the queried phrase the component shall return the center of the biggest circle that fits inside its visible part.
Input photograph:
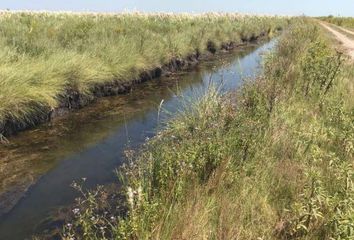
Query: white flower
(76, 210)
(140, 194)
(130, 196)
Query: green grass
(278, 164)
(45, 54)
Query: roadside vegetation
(347, 22)
(273, 161)
(46, 55)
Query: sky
(280, 7)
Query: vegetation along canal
(38, 166)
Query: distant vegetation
(340, 21)
(274, 162)
(43, 55)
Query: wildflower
(76, 211)
(130, 196)
(140, 194)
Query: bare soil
(346, 30)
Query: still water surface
(38, 167)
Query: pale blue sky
(292, 7)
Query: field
(272, 161)
(47, 56)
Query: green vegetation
(340, 21)
(43, 55)
(274, 161)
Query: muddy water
(38, 166)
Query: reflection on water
(89, 143)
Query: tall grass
(45, 54)
(279, 165)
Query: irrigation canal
(39, 165)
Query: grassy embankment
(43, 55)
(279, 165)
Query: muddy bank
(73, 99)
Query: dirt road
(348, 43)
(346, 30)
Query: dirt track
(346, 30)
(348, 43)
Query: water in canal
(38, 166)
